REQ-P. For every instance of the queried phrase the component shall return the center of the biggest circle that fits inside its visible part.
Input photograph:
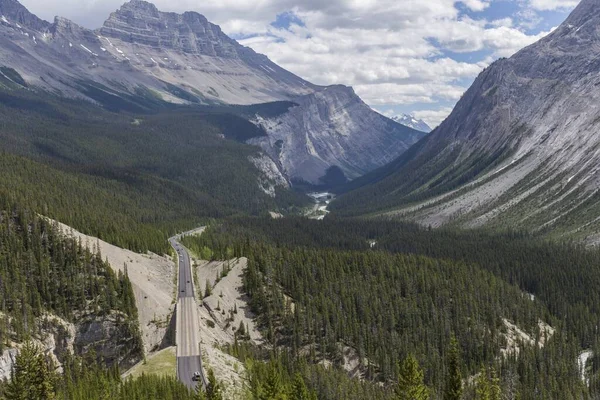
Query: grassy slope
(162, 363)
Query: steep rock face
(7, 362)
(13, 10)
(109, 337)
(271, 177)
(106, 335)
(332, 128)
(141, 22)
(520, 149)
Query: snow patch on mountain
(412, 122)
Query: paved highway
(189, 359)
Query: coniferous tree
(410, 381)
(241, 332)
(31, 377)
(207, 289)
(454, 388)
(482, 386)
(495, 389)
(213, 388)
(273, 388)
(299, 389)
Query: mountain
(520, 149)
(142, 52)
(143, 59)
(412, 122)
(329, 133)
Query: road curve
(189, 358)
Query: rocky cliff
(106, 335)
(332, 128)
(16, 12)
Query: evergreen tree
(495, 390)
(241, 332)
(213, 388)
(454, 388)
(482, 387)
(207, 289)
(200, 394)
(273, 389)
(299, 389)
(31, 377)
(487, 386)
(410, 382)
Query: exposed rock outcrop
(7, 362)
(108, 336)
(15, 11)
(332, 127)
(141, 22)
(271, 177)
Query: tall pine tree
(454, 389)
(410, 382)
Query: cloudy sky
(401, 56)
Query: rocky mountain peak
(573, 37)
(64, 25)
(142, 23)
(412, 122)
(139, 6)
(585, 12)
(335, 93)
(14, 11)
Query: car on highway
(196, 377)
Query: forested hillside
(131, 179)
(45, 275)
(389, 290)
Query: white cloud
(394, 61)
(476, 5)
(433, 118)
(547, 5)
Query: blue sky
(401, 56)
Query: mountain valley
(183, 219)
